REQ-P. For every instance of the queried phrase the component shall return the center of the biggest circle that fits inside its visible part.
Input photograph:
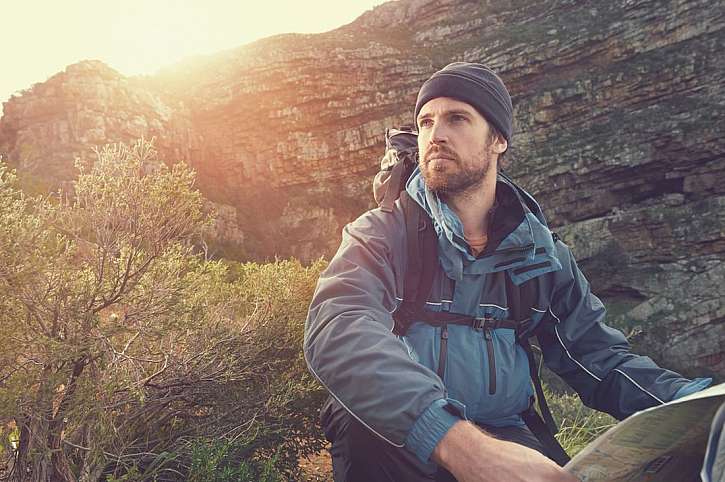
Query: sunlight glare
(141, 36)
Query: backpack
(396, 167)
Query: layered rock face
(618, 133)
(87, 105)
(48, 127)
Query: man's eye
(425, 123)
(458, 118)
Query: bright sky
(39, 38)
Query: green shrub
(126, 351)
(218, 461)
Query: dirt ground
(317, 468)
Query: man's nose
(439, 133)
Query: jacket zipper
(502, 252)
(443, 352)
(514, 250)
(491, 359)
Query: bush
(216, 461)
(130, 357)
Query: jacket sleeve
(595, 359)
(349, 345)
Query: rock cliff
(618, 120)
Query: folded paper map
(666, 443)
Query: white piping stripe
(590, 373)
(439, 303)
(397, 298)
(552, 314)
(567, 351)
(436, 303)
(540, 311)
(348, 410)
(410, 348)
(638, 385)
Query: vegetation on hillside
(128, 356)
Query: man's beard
(462, 178)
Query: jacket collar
(518, 236)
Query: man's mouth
(439, 156)
(439, 160)
(439, 163)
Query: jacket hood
(519, 239)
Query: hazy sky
(40, 38)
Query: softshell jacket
(389, 383)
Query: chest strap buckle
(486, 323)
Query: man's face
(454, 148)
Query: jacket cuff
(432, 425)
(694, 386)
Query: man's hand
(472, 456)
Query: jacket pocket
(509, 385)
(488, 373)
(465, 362)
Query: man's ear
(499, 145)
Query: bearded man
(448, 400)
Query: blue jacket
(390, 384)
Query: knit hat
(474, 84)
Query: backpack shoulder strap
(521, 299)
(421, 263)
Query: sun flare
(140, 36)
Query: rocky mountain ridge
(618, 133)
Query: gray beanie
(474, 84)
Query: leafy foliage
(127, 353)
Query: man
(404, 408)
